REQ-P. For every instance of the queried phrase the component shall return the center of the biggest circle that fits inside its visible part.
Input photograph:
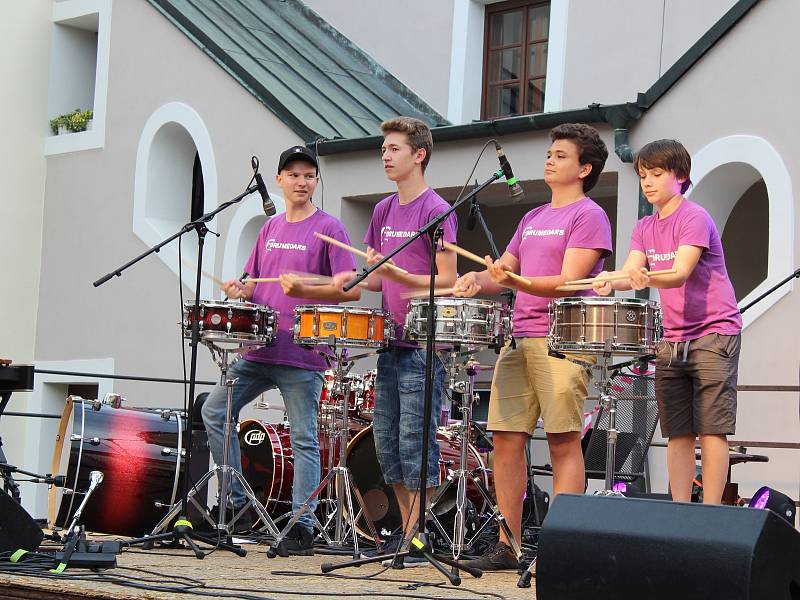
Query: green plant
(74, 121)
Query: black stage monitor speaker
(17, 528)
(611, 548)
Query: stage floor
(225, 575)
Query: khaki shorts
(528, 383)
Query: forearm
(329, 293)
(543, 286)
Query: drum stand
(224, 472)
(461, 474)
(345, 486)
(609, 403)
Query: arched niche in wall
(730, 177)
(247, 221)
(171, 139)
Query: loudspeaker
(613, 548)
(17, 528)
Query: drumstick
(424, 293)
(619, 277)
(189, 263)
(317, 278)
(479, 260)
(574, 287)
(356, 251)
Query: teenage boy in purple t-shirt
(697, 363)
(286, 244)
(568, 238)
(399, 385)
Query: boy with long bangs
(399, 386)
(567, 238)
(697, 361)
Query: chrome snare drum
(584, 324)
(230, 322)
(465, 321)
(350, 325)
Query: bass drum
(268, 463)
(379, 499)
(136, 450)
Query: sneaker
(501, 558)
(298, 542)
(242, 525)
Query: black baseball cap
(297, 153)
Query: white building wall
(25, 35)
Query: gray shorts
(696, 388)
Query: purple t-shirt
(282, 247)
(704, 304)
(540, 242)
(392, 224)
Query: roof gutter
(619, 116)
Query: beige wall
(25, 35)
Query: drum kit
(140, 450)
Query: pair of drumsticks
(307, 277)
(575, 285)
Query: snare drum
(465, 321)
(585, 324)
(231, 321)
(137, 450)
(350, 325)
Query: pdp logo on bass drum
(254, 437)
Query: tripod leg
(251, 496)
(497, 515)
(176, 508)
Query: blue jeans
(300, 389)
(397, 424)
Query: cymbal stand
(346, 490)
(462, 473)
(224, 472)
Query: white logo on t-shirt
(273, 244)
(532, 232)
(388, 233)
(653, 256)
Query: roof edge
(618, 116)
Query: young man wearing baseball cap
(286, 244)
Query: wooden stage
(225, 575)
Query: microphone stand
(420, 544)
(182, 529)
(795, 275)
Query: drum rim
(444, 300)
(227, 304)
(605, 300)
(343, 342)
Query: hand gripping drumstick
(356, 251)
(618, 277)
(479, 260)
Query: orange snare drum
(350, 325)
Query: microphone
(514, 188)
(266, 201)
(56, 480)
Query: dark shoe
(501, 558)
(298, 542)
(242, 525)
(390, 546)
